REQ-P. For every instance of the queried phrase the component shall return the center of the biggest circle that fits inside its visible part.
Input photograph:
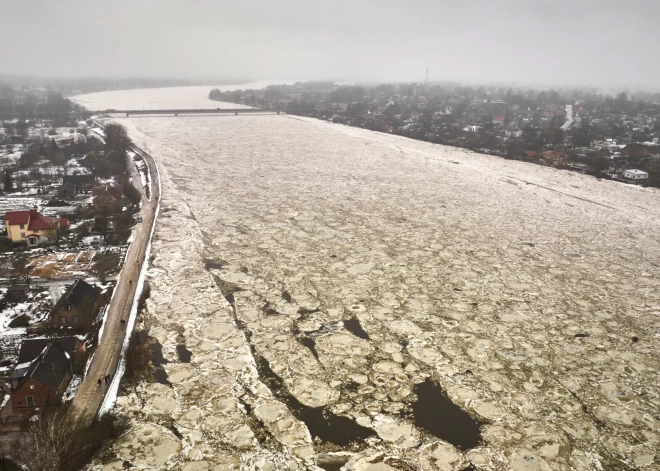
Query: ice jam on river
(327, 297)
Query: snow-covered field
(360, 266)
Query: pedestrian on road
(123, 322)
(99, 382)
(130, 282)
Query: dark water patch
(434, 412)
(183, 353)
(321, 422)
(304, 313)
(353, 326)
(157, 358)
(351, 386)
(581, 336)
(226, 288)
(269, 310)
(210, 264)
(309, 343)
(161, 376)
(286, 296)
(260, 431)
(331, 462)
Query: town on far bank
(68, 204)
(611, 137)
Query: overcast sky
(576, 42)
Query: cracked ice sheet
(470, 269)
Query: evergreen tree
(9, 184)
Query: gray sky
(576, 42)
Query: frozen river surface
(330, 283)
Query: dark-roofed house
(32, 348)
(44, 381)
(77, 307)
(73, 185)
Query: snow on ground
(103, 314)
(530, 295)
(72, 389)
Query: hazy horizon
(589, 44)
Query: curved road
(90, 395)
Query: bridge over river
(177, 112)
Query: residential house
(107, 197)
(42, 382)
(73, 185)
(77, 307)
(32, 348)
(555, 156)
(32, 227)
(18, 291)
(635, 150)
(634, 174)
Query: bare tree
(48, 438)
(56, 232)
(105, 265)
(104, 210)
(21, 270)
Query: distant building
(18, 291)
(77, 307)
(555, 156)
(73, 185)
(32, 227)
(634, 174)
(107, 196)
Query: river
(344, 296)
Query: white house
(635, 174)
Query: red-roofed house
(32, 227)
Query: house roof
(32, 217)
(32, 348)
(77, 179)
(554, 155)
(49, 368)
(17, 217)
(77, 294)
(39, 222)
(636, 171)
